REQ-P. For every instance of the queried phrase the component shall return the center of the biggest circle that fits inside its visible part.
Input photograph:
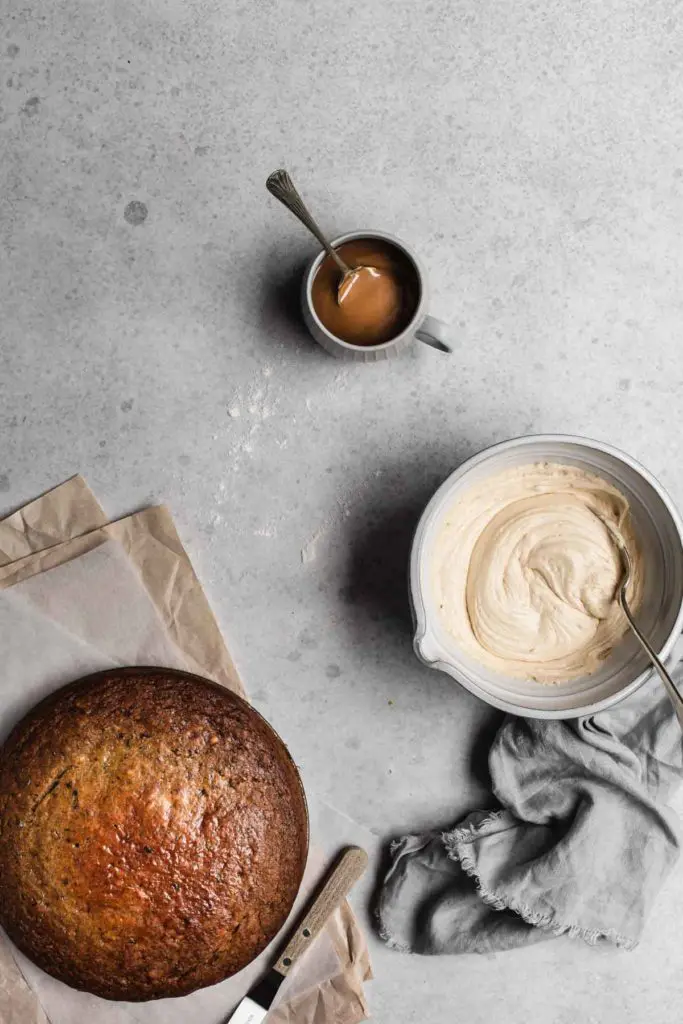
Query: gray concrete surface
(531, 153)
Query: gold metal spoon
(280, 185)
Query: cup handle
(435, 333)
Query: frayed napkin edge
(456, 843)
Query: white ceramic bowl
(660, 532)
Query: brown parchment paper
(59, 527)
(67, 511)
(150, 540)
(18, 1004)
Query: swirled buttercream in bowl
(526, 572)
(513, 575)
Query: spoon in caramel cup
(280, 185)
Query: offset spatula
(348, 870)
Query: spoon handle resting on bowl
(671, 689)
(280, 185)
(627, 571)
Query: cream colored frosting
(526, 572)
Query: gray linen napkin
(582, 844)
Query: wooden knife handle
(348, 870)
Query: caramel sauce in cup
(378, 306)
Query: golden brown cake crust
(153, 834)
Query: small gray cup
(422, 326)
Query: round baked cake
(153, 834)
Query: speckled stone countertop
(531, 154)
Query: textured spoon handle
(280, 185)
(349, 869)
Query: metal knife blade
(255, 1005)
(348, 869)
